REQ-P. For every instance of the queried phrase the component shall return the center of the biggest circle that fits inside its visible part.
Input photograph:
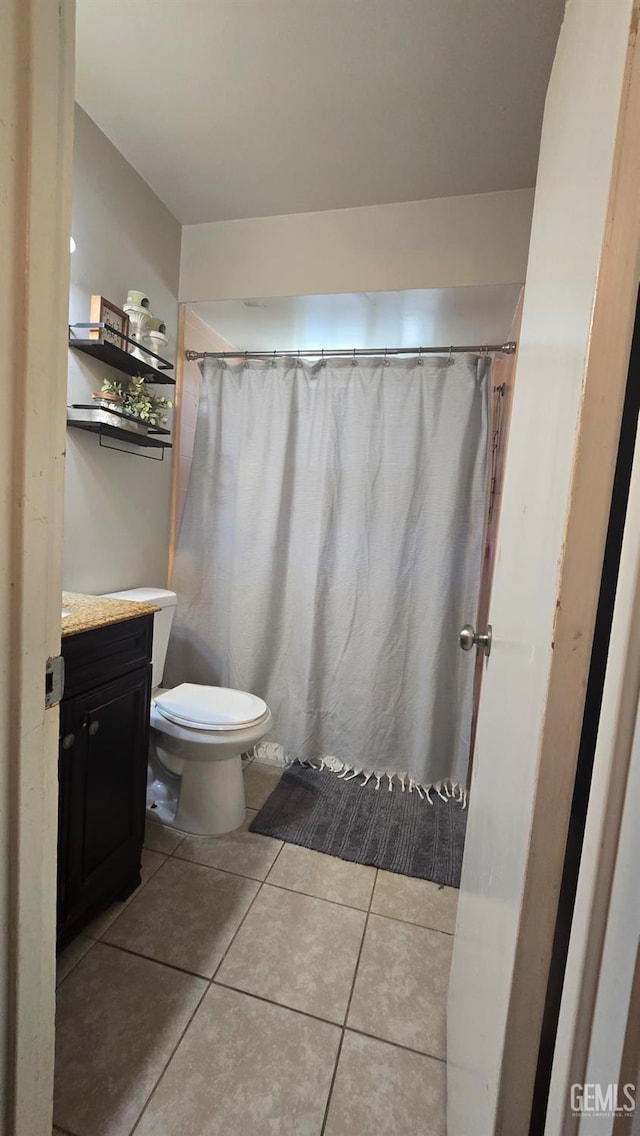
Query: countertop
(89, 612)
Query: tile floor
(255, 986)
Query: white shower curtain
(330, 551)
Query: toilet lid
(210, 707)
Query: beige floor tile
(384, 1091)
(415, 901)
(259, 782)
(400, 993)
(151, 861)
(298, 951)
(186, 915)
(160, 838)
(118, 1020)
(245, 1066)
(71, 955)
(245, 853)
(326, 877)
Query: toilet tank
(162, 621)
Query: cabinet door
(106, 773)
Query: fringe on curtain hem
(446, 789)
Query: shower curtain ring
(273, 361)
(385, 361)
(246, 358)
(323, 361)
(354, 361)
(420, 359)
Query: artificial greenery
(136, 401)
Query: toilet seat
(211, 708)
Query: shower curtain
(329, 553)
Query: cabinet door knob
(94, 726)
(68, 741)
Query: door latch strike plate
(54, 681)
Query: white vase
(155, 341)
(139, 322)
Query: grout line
(408, 923)
(271, 1002)
(334, 1074)
(235, 933)
(225, 871)
(346, 1013)
(357, 966)
(233, 938)
(277, 856)
(159, 852)
(310, 895)
(170, 1057)
(395, 1044)
(158, 962)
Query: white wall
(429, 316)
(117, 505)
(446, 242)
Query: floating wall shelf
(120, 427)
(153, 368)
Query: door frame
(599, 791)
(596, 448)
(36, 132)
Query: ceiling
(251, 108)
(431, 316)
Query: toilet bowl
(197, 737)
(198, 734)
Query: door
(103, 773)
(572, 365)
(36, 123)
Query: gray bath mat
(392, 830)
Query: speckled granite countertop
(88, 612)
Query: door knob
(94, 727)
(68, 741)
(470, 638)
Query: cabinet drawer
(94, 657)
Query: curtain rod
(477, 349)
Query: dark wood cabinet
(104, 737)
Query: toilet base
(206, 800)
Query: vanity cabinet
(104, 737)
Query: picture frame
(103, 311)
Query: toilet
(198, 736)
